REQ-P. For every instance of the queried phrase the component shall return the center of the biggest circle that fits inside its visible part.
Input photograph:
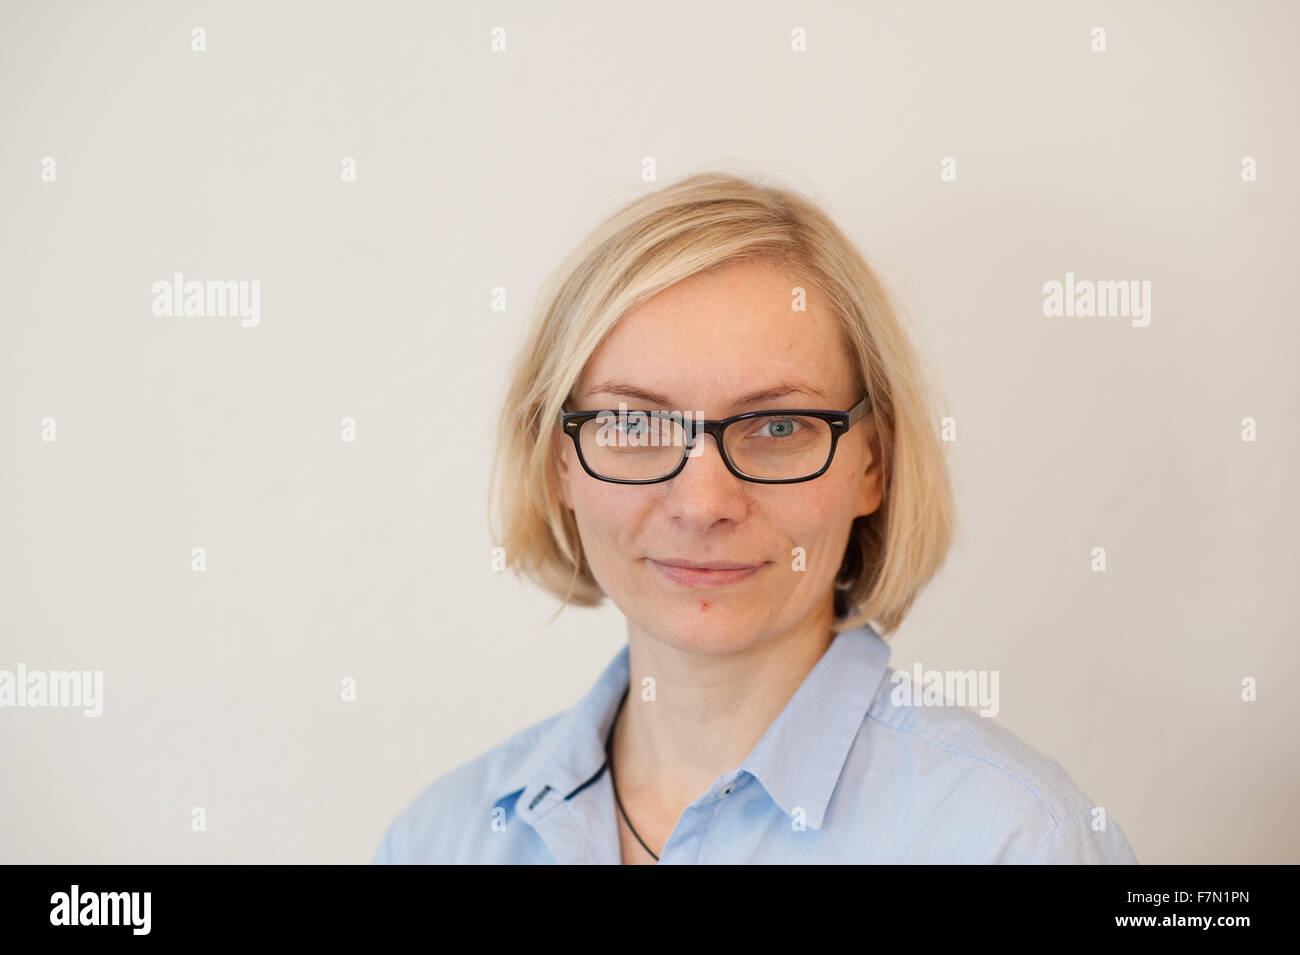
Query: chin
(702, 625)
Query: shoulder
(974, 786)
(449, 817)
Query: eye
(635, 423)
(631, 430)
(778, 427)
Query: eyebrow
(784, 389)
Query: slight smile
(708, 575)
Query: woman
(718, 423)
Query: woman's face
(703, 344)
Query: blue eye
(780, 427)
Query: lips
(706, 574)
(711, 565)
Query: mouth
(710, 574)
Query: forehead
(725, 332)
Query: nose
(704, 491)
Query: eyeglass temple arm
(859, 411)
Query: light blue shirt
(845, 774)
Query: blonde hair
(699, 223)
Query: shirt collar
(572, 750)
(800, 757)
(798, 760)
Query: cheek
(818, 521)
(610, 523)
(606, 513)
(816, 506)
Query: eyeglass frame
(571, 423)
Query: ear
(871, 484)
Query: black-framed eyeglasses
(765, 447)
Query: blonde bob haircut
(703, 222)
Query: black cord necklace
(609, 761)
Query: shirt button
(727, 791)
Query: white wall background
(478, 169)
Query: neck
(709, 712)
